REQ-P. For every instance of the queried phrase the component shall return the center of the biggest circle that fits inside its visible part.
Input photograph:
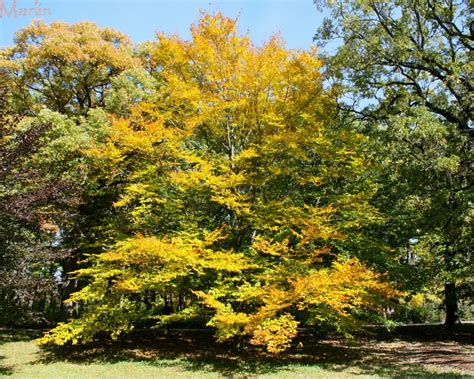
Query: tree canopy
(236, 189)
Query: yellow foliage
(231, 194)
(276, 334)
(417, 300)
(262, 245)
(348, 284)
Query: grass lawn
(411, 352)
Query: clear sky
(296, 20)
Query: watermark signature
(11, 9)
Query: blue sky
(296, 20)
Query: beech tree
(237, 190)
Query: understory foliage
(236, 194)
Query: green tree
(405, 70)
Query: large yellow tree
(237, 191)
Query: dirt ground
(435, 355)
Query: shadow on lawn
(18, 335)
(5, 370)
(11, 336)
(195, 350)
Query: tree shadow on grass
(5, 370)
(18, 335)
(11, 336)
(197, 350)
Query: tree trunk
(168, 306)
(451, 304)
(67, 287)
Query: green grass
(195, 355)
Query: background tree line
(249, 188)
